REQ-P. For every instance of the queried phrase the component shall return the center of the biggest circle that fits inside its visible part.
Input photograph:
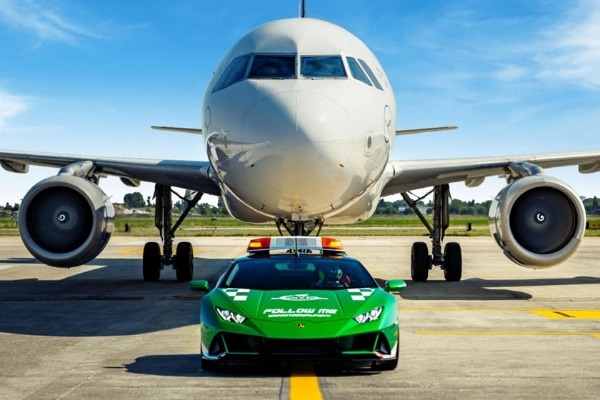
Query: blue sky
(90, 77)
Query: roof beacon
(295, 244)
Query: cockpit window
(283, 66)
(234, 73)
(371, 74)
(273, 67)
(322, 67)
(357, 71)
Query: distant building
(421, 207)
(134, 212)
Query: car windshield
(276, 273)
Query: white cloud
(573, 48)
(10, 105)
(41, 21)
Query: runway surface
(99, 331)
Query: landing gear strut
(450, 260)
(183, 262)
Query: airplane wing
(424, 130)
(193, 175)
(410, 175)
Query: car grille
(300, 348)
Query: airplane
(299, 120)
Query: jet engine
(538, 221)
(65, 221)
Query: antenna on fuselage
(302, 9)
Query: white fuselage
(307, 143)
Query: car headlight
(372, 315)
(230, 316)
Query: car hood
(322, 305)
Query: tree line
(460, 207)
(456, 207)
(136, 200)
(398, 207)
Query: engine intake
(65, 221)
(538, 221)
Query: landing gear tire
(419, 262)
(452, 262)
(151, 263)
(184, 262)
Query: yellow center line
(131, 251)
(509, 333)
(134, 251)
(546, 313)
(304, 384)
(561, 314)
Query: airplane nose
(299, 140)
(296, 116)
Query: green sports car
(298, 298)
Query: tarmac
(99, 331)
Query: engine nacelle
(65, 221)
(538, 221)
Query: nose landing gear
(299, 228)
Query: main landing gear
(450, 260)
(183, 261)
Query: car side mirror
(199, 286)
(395, 285)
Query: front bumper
(366, 349)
